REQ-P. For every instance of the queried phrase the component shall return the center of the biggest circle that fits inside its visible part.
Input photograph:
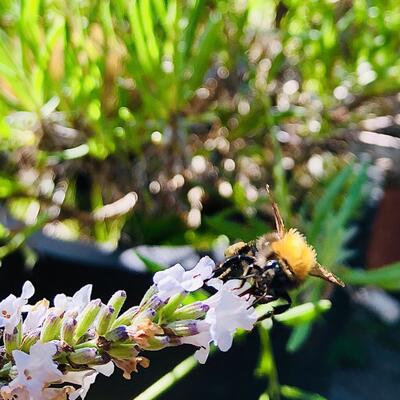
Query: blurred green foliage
(192, 106)
(160, 122)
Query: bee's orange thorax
(298, 254)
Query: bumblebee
(273, 264)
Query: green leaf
(138, 36)
(280, 189)
(291, 392)
(151, 265)
(298, 337)
(206, 46)
(190, 30)
(304, 313)
(387, 277)
(325, 204)
(148, 31)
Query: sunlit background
(128, 124)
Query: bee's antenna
(321, 272)
(280, 226)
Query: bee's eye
(272, 264)
(274, 269)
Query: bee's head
(277, 275)
(297, 254)
(298, 259)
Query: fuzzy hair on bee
(274, 263)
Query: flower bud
(119, 334)
(116, 301)
(154, 302)
(150, 293)
(12, 340)
(126, 317)
(195, 310)
(68, 327)
(160, 342)
(30, 339)
(104, 320)
(149, 313)
(122, 351)
(51, 327)
(86, 318)
(173, 303)
(148, 310)
(87, 356)
(182, 328)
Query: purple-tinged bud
(154, 302)
(86, 318)
(123, 351)
(119, 334)
(61, 347)
(160, 342)
(149, 313)
(148, 310)
(29, 339)
(104, 320)
(86, 356)
(126, 317)
(8, 371)
(182, 328)
(51, 328)
(116, 302)
(195, 310)
(12, 341)
(150, 293)
(68, 327)
(173, 303)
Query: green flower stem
(170, 379)
(267, 366)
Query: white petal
(41, 349)
(82, 296)
(87, 381)
(201, 355)
(175, 272)
(204, 267)
(11, 323)
(224, 341)
(60, 301)
(106, 369)
(193, 284)
(20, 358)
(215, 283)
(28, 290)
(35, 315)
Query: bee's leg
(227, 265)
(246, 275)
(225, 273)
(264, 299)
(278, 309)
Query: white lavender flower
(228, 311)
(74, 304)
(12, 307)
(84, 337)
(36, 370)
(176, 280)
(84, 379)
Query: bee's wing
(323, 273)
(280, 226)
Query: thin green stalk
(170, 379)
(267, 366)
